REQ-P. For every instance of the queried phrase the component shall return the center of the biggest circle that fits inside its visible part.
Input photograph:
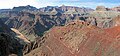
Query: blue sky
(43, 3)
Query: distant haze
(5, 4)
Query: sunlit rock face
(80, 39)
(101, 8)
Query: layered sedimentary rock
(116, 8)
(79, 39)
(32, 22)
(101, 8)
(60, 31)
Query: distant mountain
(101, 8)
(64, 8)
(116, 8)
(48, 8)
(23, 8)
(4, 10)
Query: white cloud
(36, 3)
(12, 3)
(43, 3)
(92, 4)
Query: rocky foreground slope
(79, 39)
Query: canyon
(60, 31)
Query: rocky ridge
(79, 39)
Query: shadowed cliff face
(9, 42)
(9, 45)
(79, 39)
(4, 50)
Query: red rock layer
(80, 39)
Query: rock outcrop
(79, 39)
(101, 8)
(116, 9)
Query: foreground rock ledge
(80, 39)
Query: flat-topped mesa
(101, 8)
(24, 8)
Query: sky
(5, 4)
